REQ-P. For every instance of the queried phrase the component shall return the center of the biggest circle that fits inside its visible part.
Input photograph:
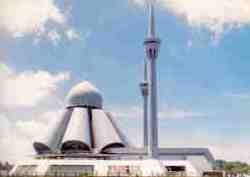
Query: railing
(91, 176)
(176, 174)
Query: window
(70, 170)
(154, 53)
(124, 170)
(176, 170)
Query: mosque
(87, 140)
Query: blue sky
(203, 73)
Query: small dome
(84, 94)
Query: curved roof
(84, 94)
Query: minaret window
(150, 53)
(155, 53)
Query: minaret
(152, 44)
(144, 91)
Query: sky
(48, 46)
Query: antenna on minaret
(152, 45)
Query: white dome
(84, 94)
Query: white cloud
(22, 134)
(23, 118)
(127, 112)
(72, 34)
(220, 147)
(41, 19)
(9, 139)
(28, 88)
(138, 2)
(168, 113)
(28, 16)
(238, 95)
(230, 149)
(214, 15)
(179, 114)
(54, 37)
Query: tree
(233, 167)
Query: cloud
(54, 37)
(138, 2)
(126, 112)
(29, 88)
(26, 112)
(9, 140)
(28, 16)
(213, 15)
(168, 113)
(72, 34)
(41, 19)
(179, 114)
(17, 136)
(230, 149)
(238, 95)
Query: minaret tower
(152, 45)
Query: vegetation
(233, 167)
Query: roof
(166, 151)
(82, 129)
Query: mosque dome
(84, 94)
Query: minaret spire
(151, 28)
(152, 45)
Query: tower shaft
(152, 111)
(145, 122)
(152, 44)
(144, 91)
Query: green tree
(233, 167)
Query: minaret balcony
(144, 88)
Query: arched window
(150, 53)
(154, 53)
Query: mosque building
(87, 139)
